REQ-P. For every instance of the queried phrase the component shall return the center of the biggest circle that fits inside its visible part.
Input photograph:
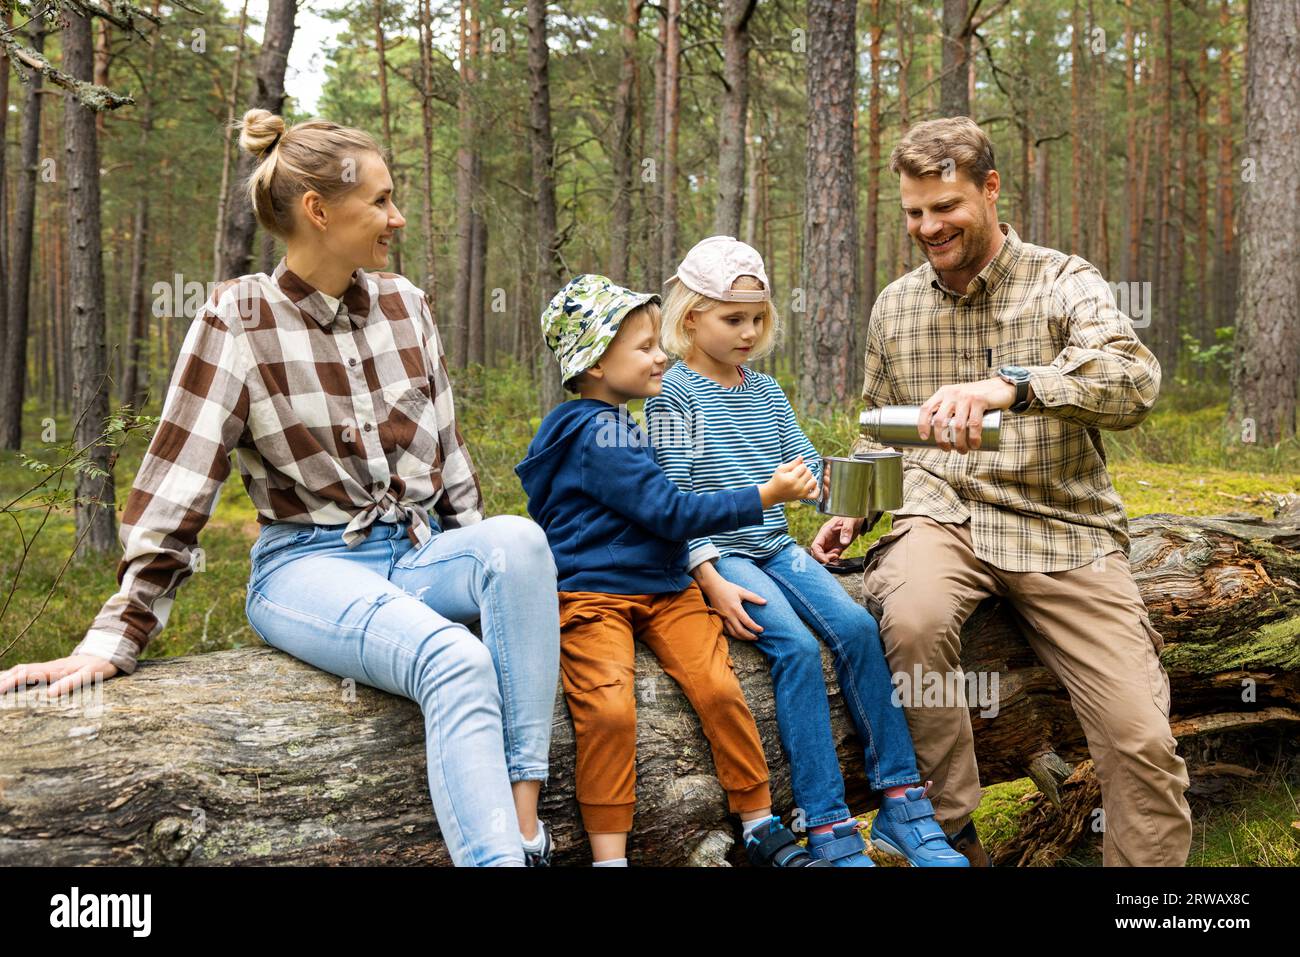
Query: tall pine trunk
(621, 215)
(550, 271)
(954, 80)
(239, 227)
(830, 255)
(96, 525)
(1267, 357)
(731, 119)
(672, 117)
(232, 101)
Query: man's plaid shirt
(339, 417)
(1044, 502)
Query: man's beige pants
(1089, 627)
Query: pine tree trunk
(232, 101)
(732, 116)
(240, 226)
(830, 256)
(13, 372)
(386, 114)
(550, 268)
(96, 525)
(954, 81)
(1225, 272)
(429, 282)
(1267, 360)
(621, 215)
(672, 117)
(871, 230)
(464, 195)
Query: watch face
(1014, 372)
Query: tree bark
(672, 118)
(1225, 272)
(954, 82)
(624, 164)
(263, 759)
(736, 15)
(13, 374)
(135, 377)
(223, 195)
(1267, 349)
(95, 519)
(237, 241)
(550, 267)
(871, 225)
(464, 192)
(830, 255)
(430, 280)
(386, 115)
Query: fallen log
(251, 757)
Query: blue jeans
(392, 615)
(798, 591)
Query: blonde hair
(936, 147)
(681, 301)
(309, 156)
(649, 310)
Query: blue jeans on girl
(799, 592)
(393, 616)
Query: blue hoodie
(614, 521)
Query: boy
(618, 529)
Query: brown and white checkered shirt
(340, 415)
(1044, 502)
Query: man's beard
(975, 241)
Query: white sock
(538, 841)
(612, 862)
(748, 826)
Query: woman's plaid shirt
(339, 417)
(1044, 502)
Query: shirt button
(368, 426)
(352, 362)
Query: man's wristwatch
(1018, 377)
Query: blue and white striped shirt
(707, 437)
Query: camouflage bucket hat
(582, 319)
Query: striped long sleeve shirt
(340, 412)
(708, 437)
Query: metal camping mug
(896, 425)
(865, 483)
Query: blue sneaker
(842, 845)
(771, 844)
(905, 827)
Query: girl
(719, 315)
(329, 381)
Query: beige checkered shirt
(1044, 502)
(341, 413)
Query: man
(991, 322)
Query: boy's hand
(727, 599)
(789, 483)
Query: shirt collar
(991, 276)
(356, 298)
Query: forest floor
(1178, 461)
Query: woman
(330, 382)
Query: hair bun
(259, 130)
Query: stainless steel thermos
(896, 425)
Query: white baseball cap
(715, 263)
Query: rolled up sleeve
(1105, 377)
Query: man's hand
(835, 536)
(956, 412)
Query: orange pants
(596, 663)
